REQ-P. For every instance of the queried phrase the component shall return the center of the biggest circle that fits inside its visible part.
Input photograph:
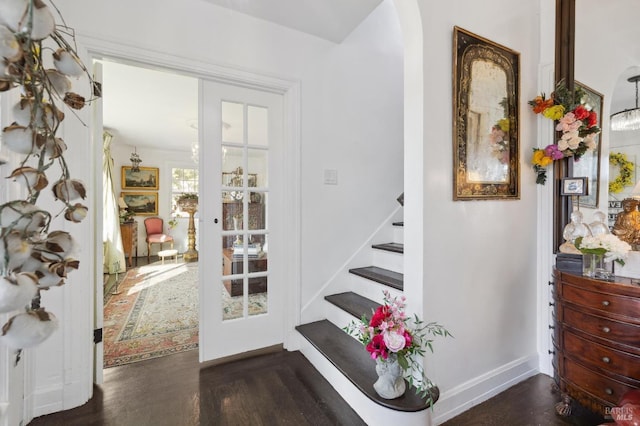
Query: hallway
(275, 389)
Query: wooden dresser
(129, 232)
(596, 338)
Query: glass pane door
(242, 141)
(245, 186)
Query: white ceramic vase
(390, 383)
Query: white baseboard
(477, 390)
(58, 398)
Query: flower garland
(625, 175)
(576, 122)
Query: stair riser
(398, 234)
(337, 316)
(371, 289)
(373, 414)
(388, 260)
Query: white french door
(241, 251)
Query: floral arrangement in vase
(398, 342)
(609, 246)
(41, 64)
(576, 122)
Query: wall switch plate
(330, 177)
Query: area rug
(156, 313)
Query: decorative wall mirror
(604, 56)
(485, 114)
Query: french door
(241, 249)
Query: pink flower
(395, 342)
(408, 339)
(380, 315)
(568, 123)
(377, 347)
(496, 135)
(553, 152)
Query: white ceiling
(332, 20)
(155, 109)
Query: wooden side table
(129, 232)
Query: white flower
(394, 341)
(614, 248)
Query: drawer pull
(606, 359)
(605, 303)
(608, 391)
(606, 329)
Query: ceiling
(156, 109)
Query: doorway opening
(151, 301)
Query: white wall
(351, 114)
(478, 258)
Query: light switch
(330, 177)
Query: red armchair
(155, 234)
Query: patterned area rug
(156, 313)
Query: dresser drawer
(605, 328)
(602, 357)
(596, 384)
(606, 303)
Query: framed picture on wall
(589, 163)
(141, 203)
(574, 186)
(145, 178)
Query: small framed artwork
(141, 203)
(574, 186)
(145, 178)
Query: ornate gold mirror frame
(486, 84)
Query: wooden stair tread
(353, 303)
(352, 360)
(380, 275)
(398, 223)
(394, 247)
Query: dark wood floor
(281, 388)
(529, 403)
(274, 389)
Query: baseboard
(58, 398)
(461, 398)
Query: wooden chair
(155, 234)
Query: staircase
(342, 359)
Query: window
(183, 180)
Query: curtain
(114, 260)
